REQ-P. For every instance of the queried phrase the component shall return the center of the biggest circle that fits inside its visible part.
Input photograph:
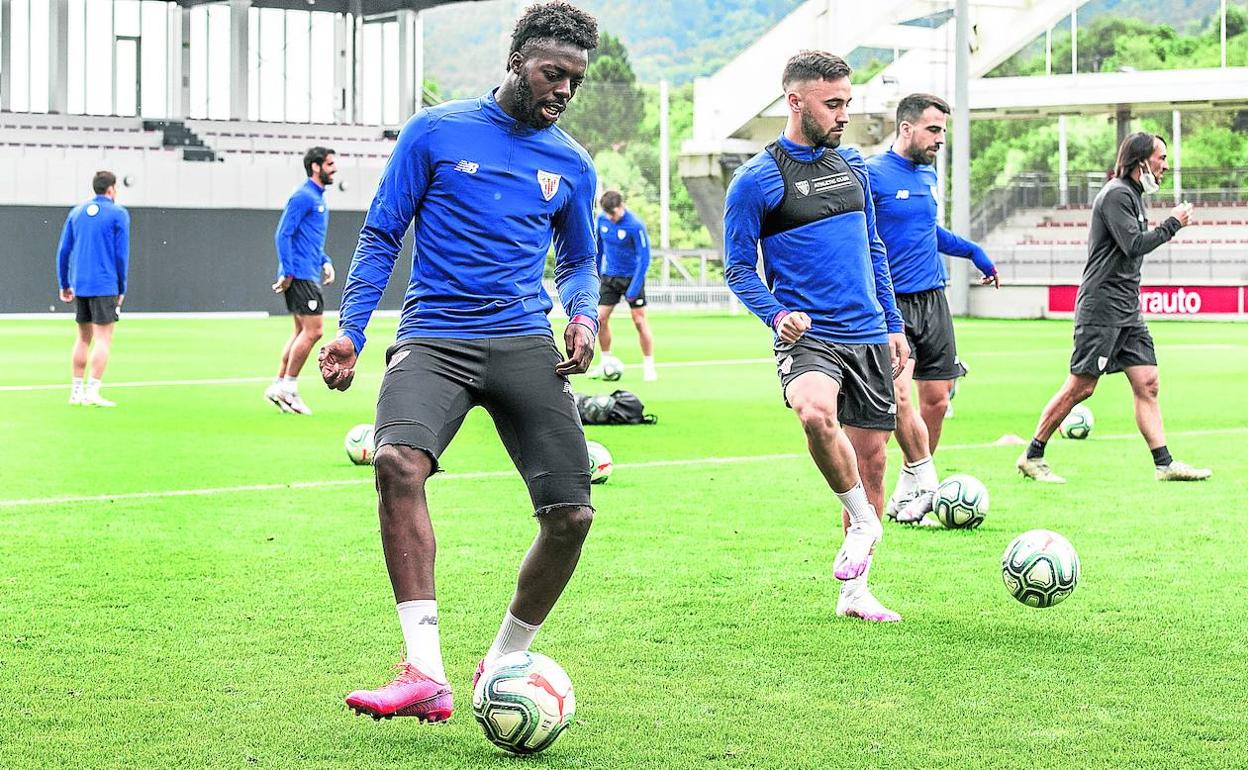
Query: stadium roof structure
(359, 7)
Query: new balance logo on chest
(467, 166)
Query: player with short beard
(489, 183)
(829, 299)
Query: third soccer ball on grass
(1040, 568)
(1078, 424)
(961, 502)
(523, 702)
(359, 444)
(600, 464)
(612, 368)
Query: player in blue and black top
(489, 184)
(623, 258)
(903, 185)
(92, 262)
(302, 267)
(829, 298)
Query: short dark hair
(911, 108)
(611, 200)
(102, 181)
(316, 155)
(1135, 149)
(814, 65)
(555, 20)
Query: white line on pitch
(509, 473)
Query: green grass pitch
(195, 580)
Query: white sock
(857, 585)
(419, 619)
(93, 385)
(925, 472)
(860, 511)
(906, 481)
(605, 354)
(77, 383)
(513, 636)
(647, 360)
(290, 384)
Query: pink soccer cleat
(864, 606)
(411, 694)
(476, 675)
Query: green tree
(608, 107)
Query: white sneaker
(1036, 468)
(1177, 471)
(93, 398)
(648, 372)
(900, 499)
(919, 506)
(851, 561)
(275, 394)
(863, 605)
(75, 397)
(295, 403)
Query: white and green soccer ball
(523, 702)
(612, 368)
(359, 444)
(1040, 568)
(961, 502)
(1078, 424)
(600, 463)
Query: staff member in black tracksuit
(1110, 333)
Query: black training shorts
(303, 297)
(430, 384)
(929, 330)
(864, 372)
(611, 289)
(97, 310)
(1108, 349)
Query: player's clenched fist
(792, 326)
(337, 362)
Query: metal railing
(1172, 262)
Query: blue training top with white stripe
(487, 194)
(93, 256)
(905, 209)
(624, 250)
(833, 268)
(300, 236)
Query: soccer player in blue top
(92, 261)
(623, 258)
(903, 185)
(489, 183)
(829, 298)
(302, 266)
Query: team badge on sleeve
(549, 183)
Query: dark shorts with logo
(611, 290)
(864, 372)
(304, 297)
(97, 310)
(929, 330)
(431, 383)
(1108, 349)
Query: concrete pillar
(342, 68)
(408, 90)
(958, 290)
(1122, 121)
(357, 61)
(240, 40)
(175, 64)
(665, 176)
(58, 56)
(6, 55)
(1063, 167)
(1176, 155)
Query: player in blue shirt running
(302, 267)
(623, 258)
(903, 185)
(92, 262)
(828, 297)
(490, 183)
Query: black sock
(1161, 456)
(1035, 449)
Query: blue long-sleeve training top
(301, 232)
(821, 254)
(93, 257)
(487, 195)
(905, 208)
(624, 250)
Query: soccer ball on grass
(961, 502)
(600, 463)
(359, 444)
(523, 702)
(1078, 424)
(1040, 568)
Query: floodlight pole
(665, 176)
(958, 290)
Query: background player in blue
(829, 298)
(903, 186)
(92, 261)
(302, 266)
(623, 258)
(489, 182)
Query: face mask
(1148, 181)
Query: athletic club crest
(803, 187)
(549, 183)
